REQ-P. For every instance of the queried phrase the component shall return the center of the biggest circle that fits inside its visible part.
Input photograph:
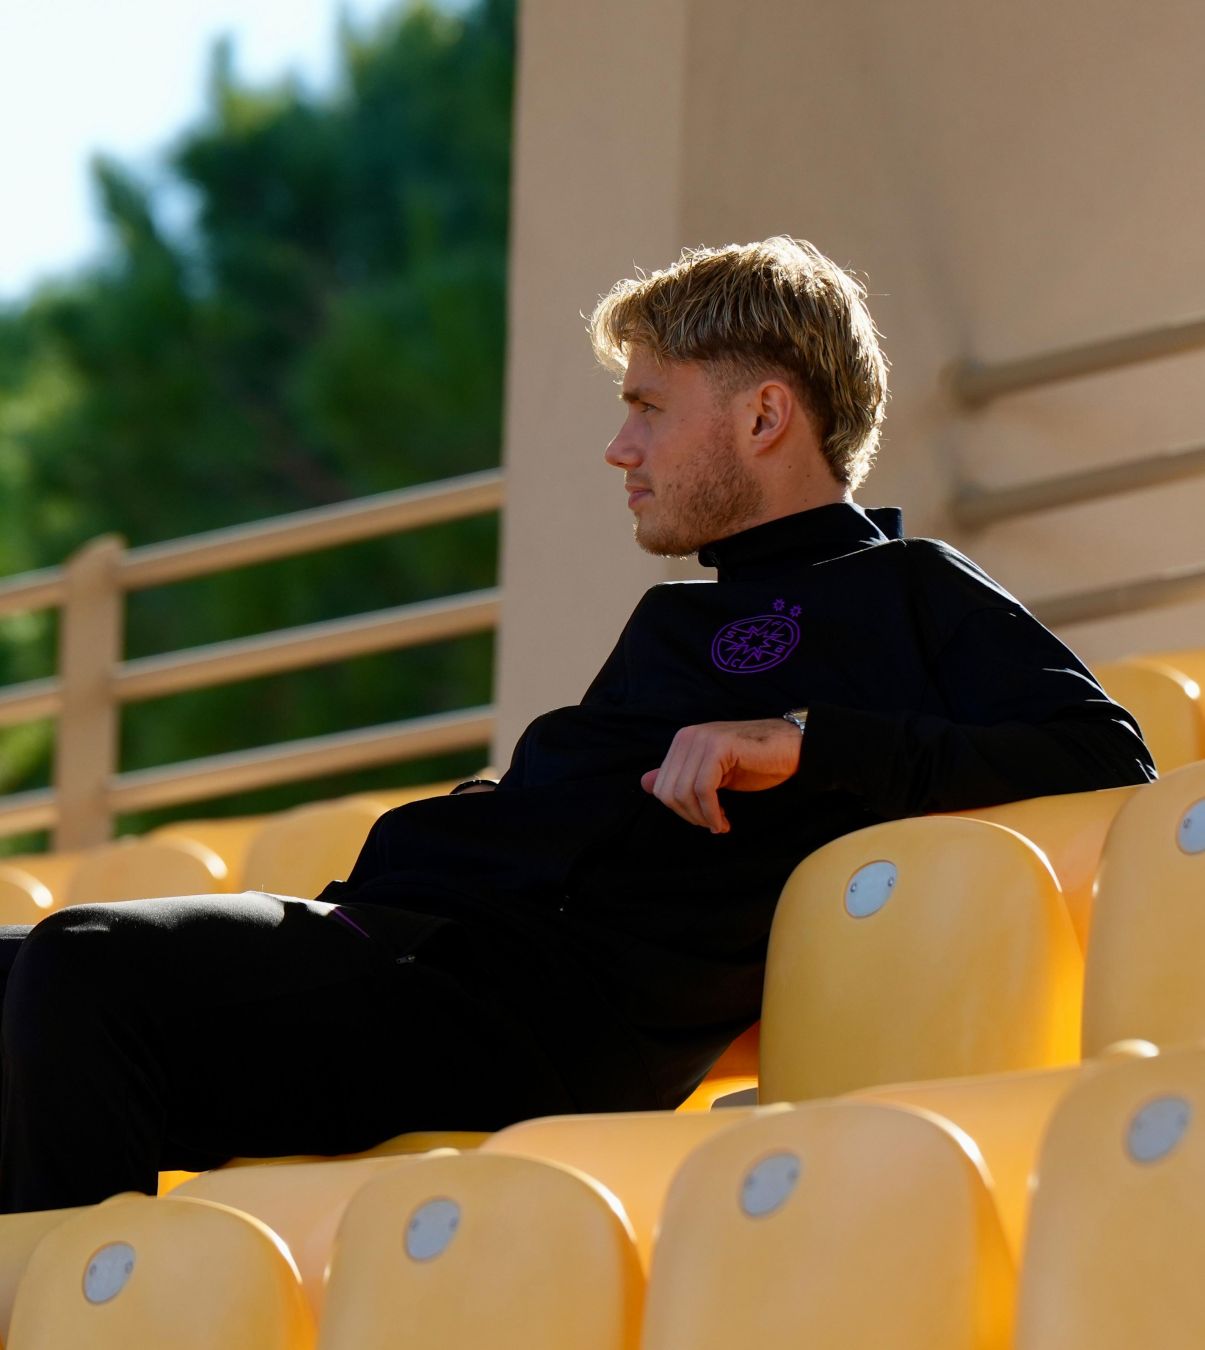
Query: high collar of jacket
(806, 537)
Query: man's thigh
(339, 1068)
(214, 951)
(275, 1028)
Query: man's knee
(63, 964)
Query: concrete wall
(1008, 178)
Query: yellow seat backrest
(1189, 661)
(1117, 1227)
(1005, 1115)
(23, 898)
(52, 870)
(922, 948)
(137, 1271)
(482, 1250)
(19, 1235)
(1166, 703)
(398, 1146)
(830, 1225)
(1070, 830)
(229, 839)
(1143, 973)
(299, 851)
(139, 869)
(633, 1154)
(301, 1202)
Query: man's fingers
(688, 766)
(706, 784)
(744, 756)
(687, 781)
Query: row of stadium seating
(844, 1223)
(291, 853)
(948, 1172)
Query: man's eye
(648, 407)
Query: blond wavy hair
(778, 307)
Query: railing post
(90, 648)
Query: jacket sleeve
(1025, 720)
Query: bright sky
(123, 76)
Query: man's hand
(746, 756)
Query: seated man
(590, 933)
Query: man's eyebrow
(637, 395)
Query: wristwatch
(797, 717)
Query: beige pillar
(596, 191)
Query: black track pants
(158, 1034)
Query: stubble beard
(719, 499)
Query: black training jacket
(632, 943)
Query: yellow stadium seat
(399, 1146)
(633, 1154)
(734, 1072)
(478, 1250)
(299, 851)
(173, 1180)
(19, 1235)
(229, 839)
(1070, 830)
(53, 870)
(139, 869)
(301, 1202)
(1144, 969)
(1166, 703)
(1006, 1117)
(1117, 1228)
(741, 1057)
(837, 1226)
(1189, 661)
(140, 1272)
(714, 1093)
(924, 948)
(23, 898)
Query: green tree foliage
(329, 324)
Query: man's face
(687, 485)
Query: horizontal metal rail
(310, 645)
(33, 590)
(86, 698)
(1104, 602)
(974, 507)
(282, 537)
(244, 770)
(29, 701)
(975, 383)
(21, 812)
(309, 531)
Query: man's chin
(662, 546)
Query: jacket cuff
(838, 743)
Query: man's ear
(772, 410)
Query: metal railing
(975, 507)
(1178, 587)
(94, 682)
(975, 384)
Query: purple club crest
(747, 646)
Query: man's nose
(622, 452)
